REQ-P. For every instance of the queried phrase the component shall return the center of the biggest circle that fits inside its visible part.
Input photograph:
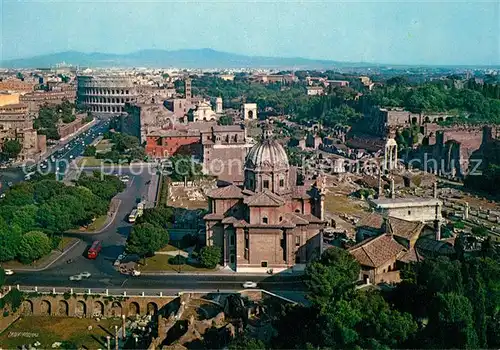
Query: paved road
(62, 156)
(173, 283)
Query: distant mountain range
(198, 58)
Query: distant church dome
(267, 155)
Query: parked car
(249, 284)
(8, 272)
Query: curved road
(113, 238)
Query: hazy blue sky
(431, 32)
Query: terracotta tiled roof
(213, 216)
(374, 252)
(411, 256)
(230, 220)
(403, 228)
(310, 218)
(300, 192)
(295, 219)
(373, 220)
(227, 192)
(264, 199)
(286, 223)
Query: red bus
(94, 250)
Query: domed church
(270, 223)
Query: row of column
(106, 100)
(106, 91)
(106, 109)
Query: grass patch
(67, 241)
(56, 329)
(342, 204)
(103, 146)
(98, 223)
(168, 248)
(160, 262)
(92, 161)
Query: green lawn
(56, 329)
(91, 161)
(98, 223)
(160, 262)
(104, 146)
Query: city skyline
(449, 33)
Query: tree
(365, 320)
(33, 246)
(245, 342)
(306, 325)
(11, 149)
(451, 322)
(136, 154)
(90, 151)
(331, 276)
(480, 231)
(210, 256)
(160, 216)
(146, 239)
(2, 277)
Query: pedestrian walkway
(152, 194)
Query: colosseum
(106, 95)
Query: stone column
(466, 211)
(435, 190)
(385, 159)
(393, 191)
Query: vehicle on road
(85, 274)
(9, 272)
(75, 278)
(140, 209)
(133, 215)
(249, 284)
(136, 273)
(69, 261)
(94, 250)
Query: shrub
(177, 260)
(210, 256)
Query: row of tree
(440, 303)
(34, 213)
(49, 117)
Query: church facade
(270, 222)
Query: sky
(392, 32)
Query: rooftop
(390, 203)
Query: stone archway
(80, 309)
(62, 308)
(45, 308)
(134, 309)
(27, 307)
(98, 309)
(152, 308)
(116, 309)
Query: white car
(85, 274)
(249, 284)
(75, 278)
(136, 273)
(9, 272)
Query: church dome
(268, 155)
